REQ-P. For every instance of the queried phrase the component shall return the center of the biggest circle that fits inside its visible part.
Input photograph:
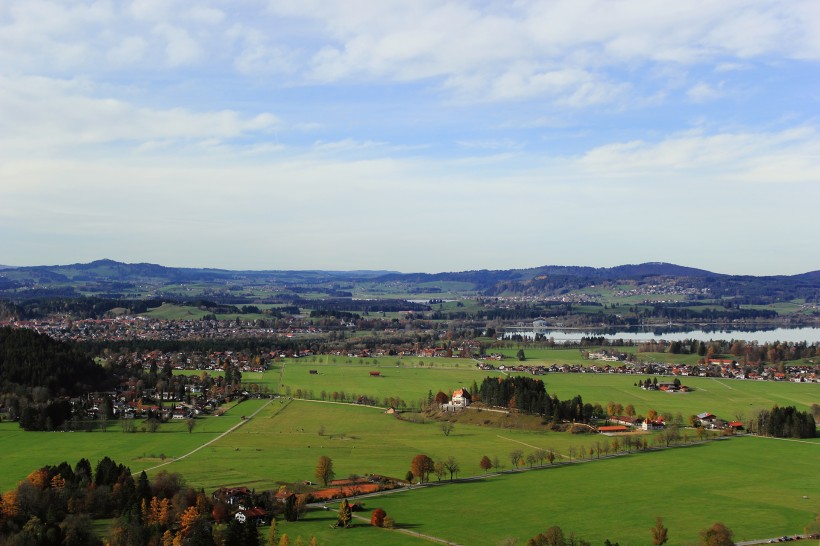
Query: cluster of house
(625, 423)
(710, 421)
(240, 499)
(128, 328)
(729, 369)
(208, 361)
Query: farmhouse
(461, 397)
(251, 515)
(657, 424)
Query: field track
(206, 444)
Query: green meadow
(756, 486)
(27, 451)
(726, 398)
(283, 443)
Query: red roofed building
(461, 397)
(612, 428)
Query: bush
(377, 517)
(389, 523)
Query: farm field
(754, 485)
(742, 482)
(409, 381)
(138, 451)
(723, 397)
(284, 445)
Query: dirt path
(429, 538)
(530, 445)
(206, 444)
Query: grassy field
(723, 397)
(284, 445)
(754, 485)
(138, 451)
(743, 482)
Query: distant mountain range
(108, 278)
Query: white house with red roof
(461, 397)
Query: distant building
(462, 398)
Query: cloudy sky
(411, 136)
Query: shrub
(377, 517)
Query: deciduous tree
(485, 464)
(324, 470)
(452, 466)
(716, 535)
(421, 466)
(377, 517)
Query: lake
(761, 335)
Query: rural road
(209, 442)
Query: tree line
(530, 396)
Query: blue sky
(411, 136)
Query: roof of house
(613, 428)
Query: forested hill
(487, 278)
(111, 280)
(29, 360)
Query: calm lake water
(809, 335)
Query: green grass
(139, 451)
(744, 482)
(723, 397)
(283, 445)
(754, 485)
(410, 380)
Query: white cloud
(48, 112)
(703, 92)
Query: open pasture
(727, 398)
(283, 443)
(756, 486)
(27, 451)
(407, 380)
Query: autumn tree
(447, 427)
(421, 466)
(324, 470)
(377, 517)
(485, 464)
(660, 534)
(441, 398)
(716, 535)
(345, 515)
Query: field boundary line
(341, 403)
(209, 442)
(530, 445)
(415, 534)
(722, 383)
(784, 439)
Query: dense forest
(529, 396)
